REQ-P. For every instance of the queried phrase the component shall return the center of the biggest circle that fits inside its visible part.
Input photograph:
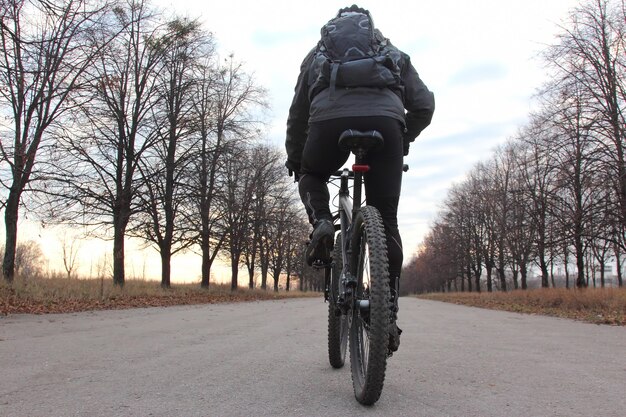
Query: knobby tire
(369, 336)
(338, 325)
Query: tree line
(554, 195)
(128, 122)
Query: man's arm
(298, 120)
(418, 101)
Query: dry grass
(54, 295)
(601, 306)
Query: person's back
(368, 88)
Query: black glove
(294, 170)
(405, 146)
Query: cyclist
(317, 117)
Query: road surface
(269, 359)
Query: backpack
(351, 53)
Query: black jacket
(413, 95)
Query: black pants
(322, 156)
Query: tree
(163, 166)
(575, 157)
(93, 177)
(47, 50)
(70, 251)
(239, 185)
(223, 104)
(538, 182)
(282, 225)
(522, 221)
(590, 55)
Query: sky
(480, 58)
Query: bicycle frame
(347, 210)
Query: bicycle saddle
(355, 139)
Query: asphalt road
(269, 359)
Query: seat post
(359, 159)
(359, 155)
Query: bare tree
(294, 262)
(538, 182)
(575, 154)
(283, 223)
(559, 193)
(590, 54)
(70, 251)
(239, 185)
(267, 199)
(29, 259)
(163, 166)
(205, 168)
(93, 172)
(224, 103)
(47, 48)
(522, 222)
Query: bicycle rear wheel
(338, 324)
(370, 316)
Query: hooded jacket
(412, 95)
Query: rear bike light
(360, 168)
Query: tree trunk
(234, 268)
(118, 257)
(276, 278)
(580, 263)
(543, 266)
(618, 262)
(502, 276)
(166, 270)
(602, 275)
(565, 265)
(501, 267)
(264, 273)
(11, 215)
(121, 216)
(515, 280)
(206, 262)
(477, 280)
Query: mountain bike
(357, 278)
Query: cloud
(479, 73)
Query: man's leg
(321, 156)
(383, 184)
(314, 195)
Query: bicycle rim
(370, 314)
(338, 325)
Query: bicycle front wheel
(338, 323)
(370, 316)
